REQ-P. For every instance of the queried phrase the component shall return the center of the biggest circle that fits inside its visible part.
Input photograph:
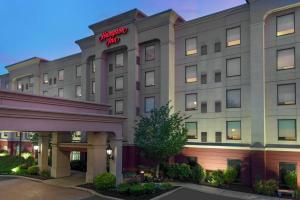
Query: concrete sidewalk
(226, 193)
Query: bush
(297, 197)
(26, 155)
(137, 189)
(148, 177)
(216, 178)
(45, 173)
(184, 172)
(123, 188)
(3, 153)
(29, 161)
(33, 170)
(78, 165)
(230, 175)
(165, 186)
(268, 187)
(197, 174)
(105, 181)
(290, 180)
(149, 187)
(171, 171)
(8, 163)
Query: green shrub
(297, 195)
(29, 161)
(290, 180)
(171, 171)
(105, 181)
(230, 175)
(148, 177)
(268, 187)
(123, 188)
(3, 153)
(26, 155)
(165, 186)
(216, 178)
(137, 189)
(33, 170)
(78, 165)
(184, 172)
(149, 187)
(45, 173)
(8, 163)
(197, 174)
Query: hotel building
(236, 72)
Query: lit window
(192, 130)
(61, 75)
(191, 74)
(93, 87)
(233, 130)
(149, 104)
(233, 36)
(286, 59)
(19, 85)
(75, 155)
(45, 78)
(203, 136)
(233, 98)
(120, 60)
(149, 79)
(287, 129)
(286, 94)
(76, 136)
(78, 91)
(286, 24)
(233, 67)
(119, 106)
(78, 71)
(119, 83)
(191, 102)
(150, 53)
(3, 135)
(191, 46)
(61, 92)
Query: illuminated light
(286, 32)
(111, 36)
(26, 155)
(191, 80)
(191, 52)
(3, 154)
(16, 169)
(36, 147)
(233, 43)
(195, 102)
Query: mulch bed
(114, 193)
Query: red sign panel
(111, 37)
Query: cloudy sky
(48, 28)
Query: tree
(161, 135)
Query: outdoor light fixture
(36, 148)
(109, 152)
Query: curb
(166, 194)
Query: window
(286, 94)
(218, 77)
(287, 129)
(149, 78)
(203, 107)
(203, 78)
(45, 78)
(26, 86)
(119, 106)
(191, 46)
(149, 104)
(204, 50)
(286, 59)
(191, 102)
(45, 93)
(218, 106)
(217, 47)
(218, 137)
(19, 85)
(61, 75)
(31, 81)
(3, 135)
(286, 24)
(233, 98)
(284, 168)
(61, 92)
(233, 36)
(191, 74)
(110, 90)
(93, 64)
(233, 130)
(78, 91)
(120, 60)
(93, 87)
(50, 81)
(236, 164)
(78, 71)
(203, 136)
(233, 67)
(150, 53)
(54, 81)
(76, 136)
(192, 130)
(110, 68)
(119, 83)
(75, 155)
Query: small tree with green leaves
(161, 135)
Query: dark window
(192, 130)
(233, 98)
(138, 60)
(218, 106)
(26, 86)
(218, 47)
(236, 164)
(110, 90)
(218, 77)
(285, 168)
(203, 78)
(54, 81)
(150, 53)
(286, 94)
(204, 50)
(137, 111)
(50, 81)
(203, 107)
(110, 68)
(203, 136)
(218, 137)
(149, 104)
(138, 85)
(287, 129)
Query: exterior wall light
(109, 152)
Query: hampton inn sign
(111, 37)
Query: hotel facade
(235, 72)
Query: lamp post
(109, 154)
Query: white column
(116, 162)
(43, 143)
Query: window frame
(93, 87)
(283, 15)
(295, 93)
(205, 133)
(220, 102)
(120, 89)
(186, 109)
(216, 45)
(44, 78)
(228, 59)
(228, 90)
(76, 95)
(78, 66)
(215, 73)
(218, 132)
(152, 71)
(196, 136)
(203, 74)
(277, 57)
(121, 112)
(59, 76)
(147, 46)
(279, 138)
(116, 59)
(186, 73)
(227, 29)
(195, 37)
(227, 122)
(204, 104)
(150, 97)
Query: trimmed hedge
(184, 172)
(33, 170)
(138, 189)
(105, 181)
(7, 163)
(267, 187)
